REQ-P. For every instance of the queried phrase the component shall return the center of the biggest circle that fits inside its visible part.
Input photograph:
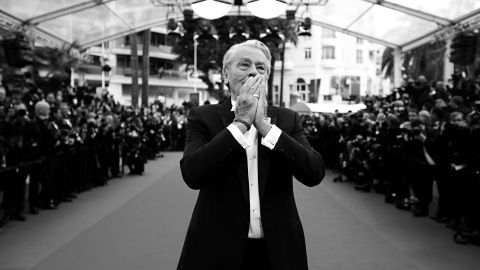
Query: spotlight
(304, 27)
(174, 28)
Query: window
(371, 55)
(328, 52)
(123, 61)
(302, 89)
(94, 60)
(334, 85)
(157, 39)
(359, 57)
(328, 33)
(327, 98)
(359, 41)
(308, 53)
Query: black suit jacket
(216, 164)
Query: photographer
(473, 164)
(43, 139)
(420, 166)
(457, 134)
(16, 125)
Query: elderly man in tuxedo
(242, 156)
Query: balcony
(160, 51)
(90, 69)
(161, 74)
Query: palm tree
(425, 60)
(290, 35)
(145, 66)
(58, 63)
(387, 62)
(134, 68)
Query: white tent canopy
(301, 107)
(402, 24)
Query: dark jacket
(216, 164)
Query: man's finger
(256, 85)
(246, 86)
(263, 97)
(263, 90)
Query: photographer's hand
(421, 137)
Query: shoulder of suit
(208, 108)
(280, 110)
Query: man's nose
(252, 72)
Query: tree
(387, 62)
(58, 63)
(425, 60)
(210, 50)
(290, 36)
(145, 66)
(134, 68)
(273, 42)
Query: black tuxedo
(216, 164)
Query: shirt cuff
(271, 139)
(237, 134)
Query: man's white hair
(252, 43)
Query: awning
(396, 23)
(302, 107)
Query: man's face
(64, 110)
(50, 98)
(412, 115)
(440, 103)
(2, 94)
(246, 62)
(43, 113)
(457, 120)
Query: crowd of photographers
(55, 145)
(418, 144)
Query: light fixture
(305, 25)
(267, 9)
(211, 9)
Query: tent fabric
(395, 23)
(330, 108)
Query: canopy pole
(397, 67)
(195, 64)
(448, 66)
(103, 63)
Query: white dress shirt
(249, 142)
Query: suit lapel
(263, 167)
(227, 115)
(242, 171)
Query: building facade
(328, 66)
(169, 80)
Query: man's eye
(261, 67)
